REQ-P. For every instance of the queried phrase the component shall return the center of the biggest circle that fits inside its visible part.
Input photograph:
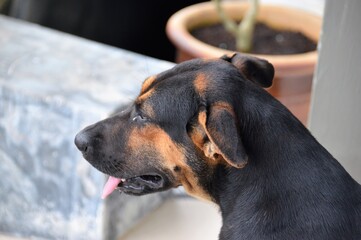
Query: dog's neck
(269, 130)
(281, 151)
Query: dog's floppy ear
(220, 126)
(257, 70)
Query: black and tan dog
(208, 125)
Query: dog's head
(181, 126)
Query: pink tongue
(110, 186)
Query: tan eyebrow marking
(147, 83)
(200, 83)
(144, 96)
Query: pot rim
(181, 22)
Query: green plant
(243, 31)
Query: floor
(179, 219)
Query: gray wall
(336, 100)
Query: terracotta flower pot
(292, 84)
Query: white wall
(315, 6)
(336, 100)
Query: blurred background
(133, 25)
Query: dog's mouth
(138, 185)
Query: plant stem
(243, 31)
(229, 24)
(246, 28)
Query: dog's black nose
(81, 141)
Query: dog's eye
(139, 118)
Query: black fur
(292, 188)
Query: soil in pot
(266, 40)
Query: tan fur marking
(210, 150)
(207, 147)
(202, 118)
(144, 96)
(197, 135)
(171, 154)
(199, 138)
(146, 84)
(200, 83)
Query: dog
(209, 126)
